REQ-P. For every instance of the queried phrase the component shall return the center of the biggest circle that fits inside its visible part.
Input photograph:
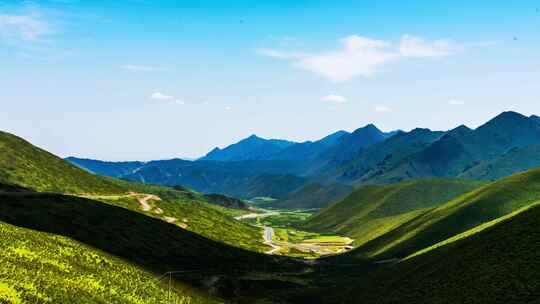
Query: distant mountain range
(251, 148)
(289, 171)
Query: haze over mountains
(254, 166)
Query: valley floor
(284, 239)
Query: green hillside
(28, 166)
(24, 165)
(496, 265)
(40, 267)
(456, 216)
(371, 211)
(141, 239)
(193, 214)
(312, 195)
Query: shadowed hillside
(497, 265)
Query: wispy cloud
(363, 56)
(161, 96)
(143, 68)
(334, 98)
(158, 96)
(382, 109)
(456, 102)
(23, 27)
(358, 56)
(280, 54)
(412, 46)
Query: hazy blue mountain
(535, 118)
(251, 148)
(462, 148)
(300, 171)
(385, 155)
(308, 150)
(515, 160)
(345, 149)
(348, 145)
(232, 178)
(332, 138)
(113, 169)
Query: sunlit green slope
(40, 267)
(497, 264)
(371, 211)
(456, 216)
(24, 165)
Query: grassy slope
(39, 267)
(456, 216)
(141, 239)
(371, 211)
(499, 264)
(28, 166)
(198, 217)
(313, 195)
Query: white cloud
(412, 46)
(334, 98)
(279, 54)
(228, 108)
(456, 102)
(161, 96)
(143, 68)
(358, 56)
(25, 27)
(362, 56)
(383, 109)
(167, 98)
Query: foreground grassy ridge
(39, 267)
(145, 241)
(456, 216)
(28, 166)
(473, 231)
(371, 211)
(500, 264)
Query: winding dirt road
(144, 201)
(142, 198)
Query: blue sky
(160, 79)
